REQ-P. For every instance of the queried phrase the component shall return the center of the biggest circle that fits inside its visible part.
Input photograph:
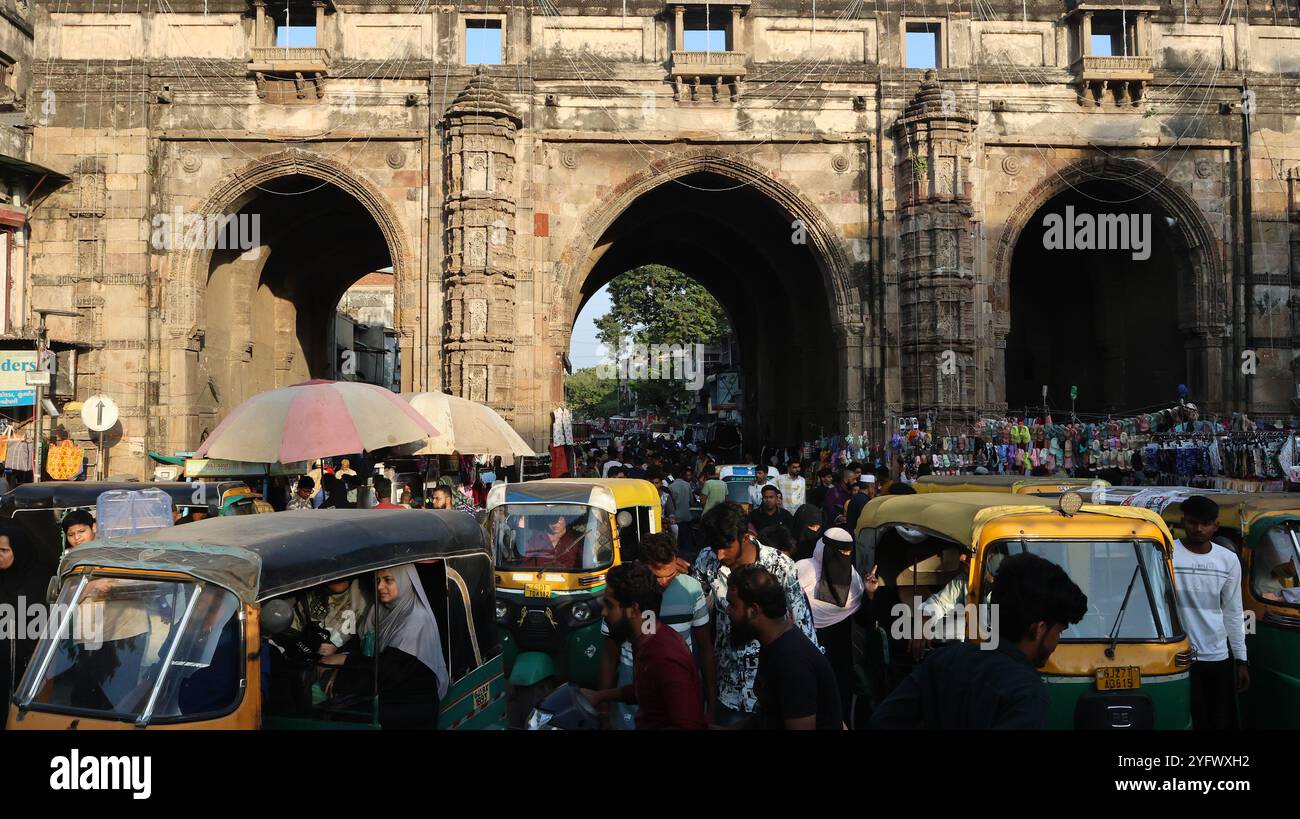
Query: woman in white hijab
(412, 668)
(842, 610)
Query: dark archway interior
(270, 312)
(1097, 319)
(741, 246)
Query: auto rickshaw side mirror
(277, 615)
(52, 589)
(624, 519)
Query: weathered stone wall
(156, 110)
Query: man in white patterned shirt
(730, 545)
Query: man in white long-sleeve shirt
(1208, 579)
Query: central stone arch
(842, 317)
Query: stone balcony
(1125, 77)
(694, 69)
(282, 60)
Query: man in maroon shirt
(666, 685)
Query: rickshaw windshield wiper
(1119, 615)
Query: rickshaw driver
(952, 597)
(1275, 568)
(558, 546)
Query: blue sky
(584, 349)
(296, 36)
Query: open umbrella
(317, 419)
(466, 427)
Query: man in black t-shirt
(771, 513)
(795, 685)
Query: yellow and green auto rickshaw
(201, 608)
(554, 541)
(1015, 484)
(1264, 530)
(1125, 665)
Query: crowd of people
(772, 618)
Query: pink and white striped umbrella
(317, 419)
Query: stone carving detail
(395, 158)
(190, 161)
(1204, 168)
(569, 158)
(840, 163)
(1010, 165)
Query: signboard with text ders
(14, 365)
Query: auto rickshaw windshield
(565, 537)
(122, 648)
(1130, 593)
(1275, 573)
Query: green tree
(659, 305)
(589, 395)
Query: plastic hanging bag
(123, 512)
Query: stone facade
(859, 219)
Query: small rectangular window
(295, 36)
(705, 39)
(484, 42)
(922, 45)
(1107, 36)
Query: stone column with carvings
(479, 243)
(1085, 35)
(679, 28)
(937, 336)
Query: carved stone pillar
(1085, 35)
(479, 238)
(679, 28)
(938, 334)
(733, 34)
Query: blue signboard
(14, 366)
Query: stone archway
(195, 342)
(587, 254)
(1201, 275)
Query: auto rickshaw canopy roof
(609, 494)
(994, 483)
(263, 556)
(960, 516)
(70, 494)
(1238, 510)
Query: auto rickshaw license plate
(537, 590)
(1119, 677)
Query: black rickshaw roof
(263, 556)
(68, 494)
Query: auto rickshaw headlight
(582, 612)
(503, 611)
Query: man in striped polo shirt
(685, 607)
(1208, 580)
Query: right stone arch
(1204, 310)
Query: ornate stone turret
(937, 289)
(479, 233)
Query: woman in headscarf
(23, 579)
(807, 529)
(413, 674)
(843, 610)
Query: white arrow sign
(99, 413)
